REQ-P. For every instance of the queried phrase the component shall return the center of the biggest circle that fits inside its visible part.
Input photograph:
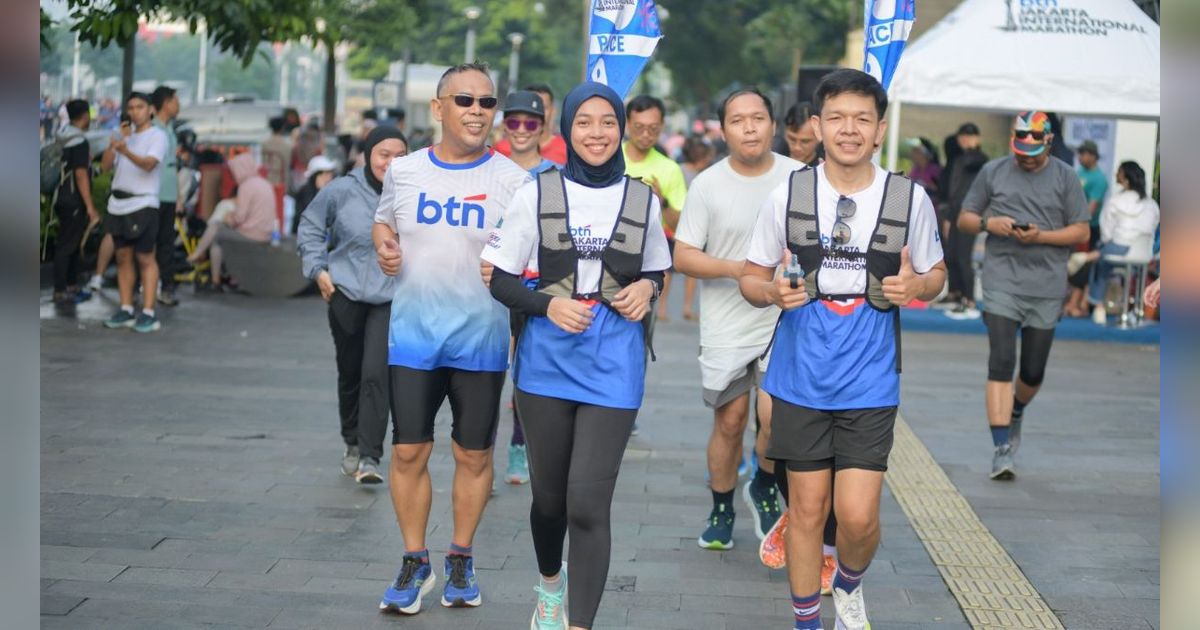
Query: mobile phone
(125, 119)
(1020, 226)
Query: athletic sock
(847, 579)
(552, 586)
(422, 555)
(829, 550)
(148, 311)
(459, 550)
(128, 308)
(1018, 409)
(723, 498)
(808, 611)
(999, 436)
(763, 480)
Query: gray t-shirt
(718, 218)
(1050, 198)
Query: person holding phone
(136, 154)
(1034, 211)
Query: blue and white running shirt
(442, 314)
(604, 365)
(834, 355)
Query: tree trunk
(330, 90)
(128, 50)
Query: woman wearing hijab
(335, 244)
(595, 238)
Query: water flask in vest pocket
(794, 271)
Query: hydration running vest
(621, 259)
(882, 256)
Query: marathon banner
(888, 23)
(622, 38)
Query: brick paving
(190, 479)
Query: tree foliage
(552, 51)
(234, 26)
(711, 45)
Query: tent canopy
(1085, 57)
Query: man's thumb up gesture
(903, 287)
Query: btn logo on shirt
(455, 213)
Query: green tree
(234, 26)
(784, 36)
(701, 43)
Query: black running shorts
(813, 439)
(417, 395)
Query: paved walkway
(190, 478)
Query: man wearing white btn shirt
(857, 243)
(448, 338)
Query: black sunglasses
(841, 230)
(466, 100)
(1022, 134)
(531, 124)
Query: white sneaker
(1100, 315)
(850, 610)
(96, 283)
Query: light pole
(514, 59)
(472, 13)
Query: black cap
(967, 129)
(524, 102)
(1088, 146)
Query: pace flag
(888, 24)
(622, 38)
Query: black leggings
(360, 337)
(1002, 358)
(575, 454)
(72, 223)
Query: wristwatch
(982, 223)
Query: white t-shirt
(718, 218)
(130, 177)
(442, 314)
(591, 217)
(844, 272)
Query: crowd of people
(553, 249)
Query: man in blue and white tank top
(448, 338)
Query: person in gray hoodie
(335, 244)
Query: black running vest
(557, 256)
(883, 253)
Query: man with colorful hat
(1034, 212)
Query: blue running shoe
(764, 507)
(415, 581)
(718, 536)
(146, 323)
(121, 319)
(461, 590)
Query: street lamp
(514, 59)
(472, 14)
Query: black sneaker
(764, 507)
(166, 297)
(718, 535)
(146, 323)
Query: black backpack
(53, 166)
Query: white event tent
(1097, 58)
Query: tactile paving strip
(991, 589)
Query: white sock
(552, 585)
(829, 550)
(148, 311)
(128, 308)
